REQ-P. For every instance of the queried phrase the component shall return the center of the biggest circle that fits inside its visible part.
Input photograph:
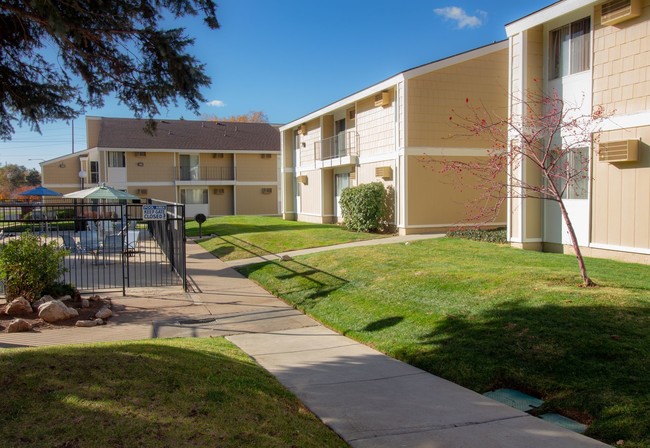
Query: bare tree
(551, 137)
(254, 116)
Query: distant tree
(13, 177)
(552, 139)
(255, 116)
(101, 48)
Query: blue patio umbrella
(40, 191)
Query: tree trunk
(586, 281)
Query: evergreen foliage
(363, 207)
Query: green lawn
(240, 237)
(488, 316)
(154, 393)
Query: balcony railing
(341, 145)
(204, 173)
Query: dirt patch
(39, 324)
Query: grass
(488, 316)
(241, 237)
(162, 393)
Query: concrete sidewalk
(369, 399)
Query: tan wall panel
(375, 126)
(328, 192)
(620, 205)
(53, 173)
(433, 96)
(533, 207)
(156, 167)
(254, 168)
(287, 149)
(249, 200)
(93, 127)
(163, 193)
(221, 204)
(621, 64)
(308, 140)
(209, 160)
(435, 198)
(310, 194)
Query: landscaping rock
(100, 321)
(104, 313)
(55, 311)
(85, 303)
(18, 325)
(286, 258)
(46, 298)
(95, 298)
(85, 323)
(18, 306)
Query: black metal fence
(110, 245)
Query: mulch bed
(39, 324)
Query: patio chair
(89, 242)
(113, 244)
(131, 242)
(70, 244)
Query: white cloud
(461, 18)
(216, 103)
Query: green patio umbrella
(102, 191)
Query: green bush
(487, 235)
(28, 267)
(363, 207)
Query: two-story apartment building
(597, 54)
(392, 132)
(215, 168)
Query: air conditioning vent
(141, 191)
(303, 179)
(617, 11)
(219, 191)
(384, 172)
(217, 155)
(619, 151)
(382, 99)
(302, 129)
(141, 154)
(352, 114)
(267, 190)
(266, 156)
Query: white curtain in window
(580, 47)
(116, 159)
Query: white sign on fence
(154, 212)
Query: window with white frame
(116, 159)
(570, 49)
(573, 167)
(194, 196)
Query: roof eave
(546, 14)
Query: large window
(570, 49)
(116, 159)
(194, 196)
(94, 172)
(573, 167)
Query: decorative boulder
(55, 311)
(46, 298)
(85, 303)
(85, 323)
(18, 306)
(104, 313)
(18, 325)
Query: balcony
(342, 149)
(204, 173)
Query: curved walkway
(369, 399)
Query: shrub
(487, 235)
(28, 267)
(363, 207)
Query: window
(116, 159)
(575, 171)
(194, 196)
(570, 49)
(94, 172)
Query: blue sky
(290, 57)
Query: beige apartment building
(392, 132)
(599, 51)
(215, 168)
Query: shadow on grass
(309, 282)
(141, 394)
(235, 229)
(383, 323)
(585, 361)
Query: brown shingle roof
(186, 134)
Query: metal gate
(110, 245)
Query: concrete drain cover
(515, 399)
(206, 320)
(565, 422)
